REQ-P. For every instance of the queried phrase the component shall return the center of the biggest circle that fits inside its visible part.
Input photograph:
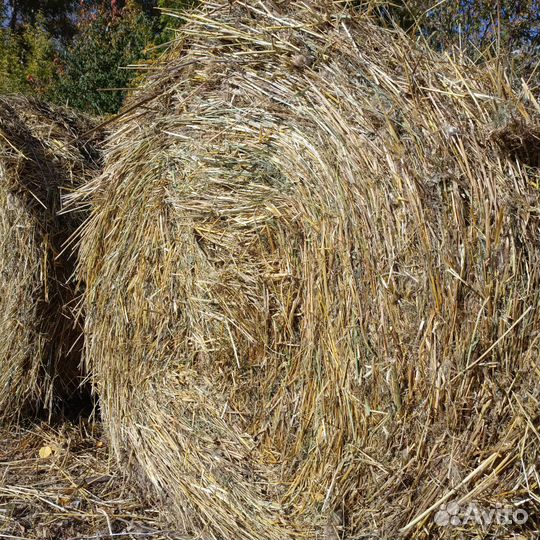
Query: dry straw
(61, 484)
(313, 279)
(41, 158)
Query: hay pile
(60, 483)
(41, 159)
(312, 273)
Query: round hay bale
(312, 281)
(41, 158)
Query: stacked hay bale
(41, 158)
(312, 272)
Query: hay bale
(312, 280)
(41, 158)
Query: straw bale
(41, 158)
(312, 279)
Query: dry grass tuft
(41, 159)
(313, 281)
(59, 483)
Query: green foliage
(169, 22)
(40, 57)
(76, 51)
(473, 25)
(11, 68)
(27, 59)
(92, 77)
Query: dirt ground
(59, 483)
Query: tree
(11, 66)
(92, 75)
(57, 16)
(41, 57)
(27, 59)
(472, 25)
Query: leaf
(45, 452)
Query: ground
(59, 483)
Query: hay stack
(313, 279)
(41, 158)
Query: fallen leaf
(45, 452)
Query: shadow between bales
(37, 178)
